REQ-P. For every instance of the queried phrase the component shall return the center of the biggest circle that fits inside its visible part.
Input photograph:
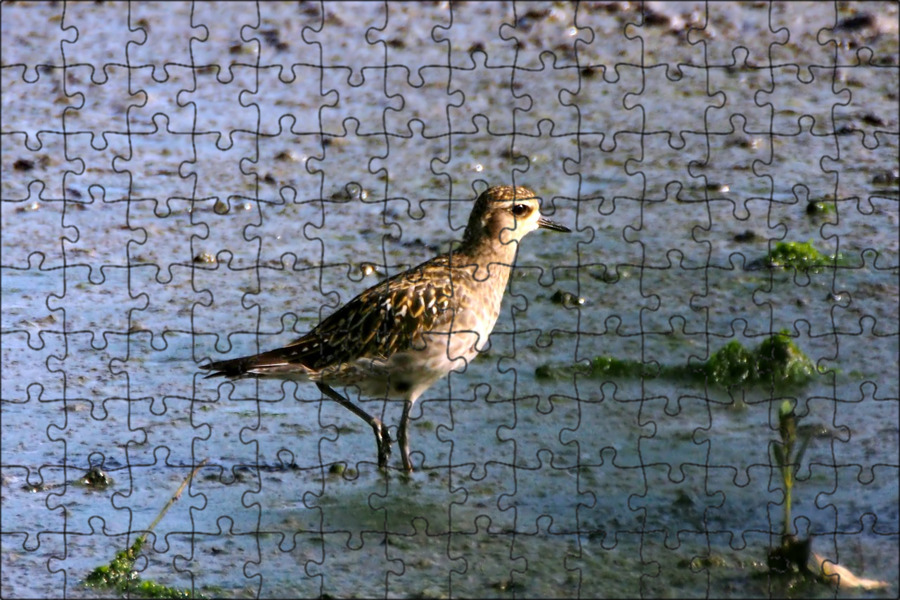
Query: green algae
(777, 360)
(119, 576)
(802, 256)
(780, 360)
(731, 365)
(599, 367)
(606, 366)
(119, 573)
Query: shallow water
(523, 487)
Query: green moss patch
(798, 255)
(120, 577)
(777, 360)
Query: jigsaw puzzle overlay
(186, 182)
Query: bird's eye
(520, 210)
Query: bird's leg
(403, 437)
(382, 436)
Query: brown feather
(374, 324)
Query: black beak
(545, 223)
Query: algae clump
(799, 255)
(599, 366)
(731, 365)
(119, 575)
(776, 360)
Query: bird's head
(506, 214)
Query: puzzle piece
(195, 182)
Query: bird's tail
(232, 369)
(275, 363)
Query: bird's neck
(487, 255)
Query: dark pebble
(204, 258)
(96, 478)
(566, 299)
(886, 178)
(870, 119)
(814, 208)
(856, 22)
(270, 36)
(655, 19)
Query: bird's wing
(384, 319)
(388, 317)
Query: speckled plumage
(397, 338)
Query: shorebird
(397, 338)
